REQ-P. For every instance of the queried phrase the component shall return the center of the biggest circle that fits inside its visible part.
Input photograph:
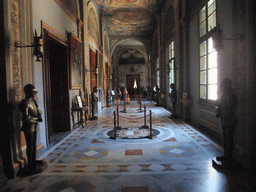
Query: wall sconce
(38, 46)
(110, 76)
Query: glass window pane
(212, 60)
(203, 92)
(170, 52)
(203, 29)
(211, 7)
(172, 79)
(172, 64)
(212, 92)
(203, 63)
(212, 21)
(202, 15)
(212, 76)
(202, 77)
(210, 45)
(203, 48)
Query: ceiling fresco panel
(133, 18)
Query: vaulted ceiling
(129, 18)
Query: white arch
(119, 41)
(92, 6)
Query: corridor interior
(177, 158)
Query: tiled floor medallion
(133, 133)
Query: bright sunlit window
(208, 55)
(171, 64)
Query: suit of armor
(94, 96)
(30, 118)
(226, 112)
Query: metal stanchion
(145, 118)
(124, 111)
(117, 109)
(140, 110)
(114, 136)
(150, 119)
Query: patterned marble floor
(177, 158)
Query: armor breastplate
(29, 110)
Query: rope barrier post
(151, 131)
(124, 111)
(145, 118)
(150, 119)
(115, 125)
(117, 109)
(114, 136)
(140, 110)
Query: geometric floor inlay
(133, 152)
(178, 159)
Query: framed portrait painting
(76, 62)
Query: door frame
(50, 33)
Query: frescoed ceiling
(129, 17)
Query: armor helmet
(30, 90)
(95, 89)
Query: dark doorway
(130, 81)
(58, 112)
